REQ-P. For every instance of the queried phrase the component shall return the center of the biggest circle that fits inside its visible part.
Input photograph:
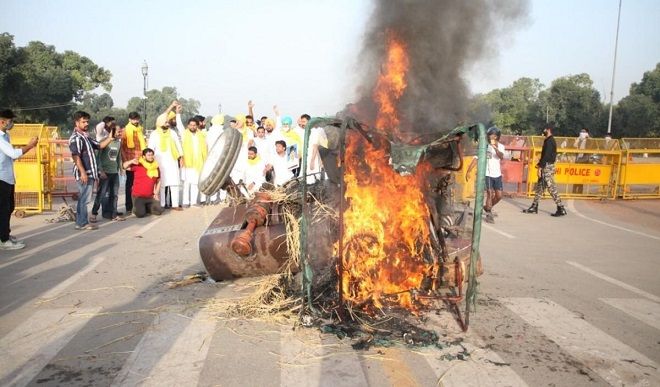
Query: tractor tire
(220, 161)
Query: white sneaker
(11, 245)
(14, 239)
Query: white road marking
(300, 354)
(615, 362)
(483, 368)
(147, 227)
(75, 277)
(486, 225)
(611, 280)
(171, 353)
(28, 348)
(571, 207)
(639, 308)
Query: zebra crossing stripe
(615, 362)
(639, 308)
(28, 348)
(484, 367)
(306, 361)
(171, 353)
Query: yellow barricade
(465, 188)
(640, 168)
(33, 180)
(585, 169)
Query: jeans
(106, 195)
(84, 196)
(6, 208)
(130, 176)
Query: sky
(303, 55)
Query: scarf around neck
(130, 132)
(152, 168)
(190, 159)
(167, 143)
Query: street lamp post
(616, 46)
(145, 73)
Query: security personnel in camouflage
(546, 173)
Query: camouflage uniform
(547, 180)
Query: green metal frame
(479, 134)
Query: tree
(638, 114)
(514, 108)
(41, 84)
(573, 103)
(158, 101)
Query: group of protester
(164, 170)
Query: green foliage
(575, 104)
(158, 101)
(514, 108)
(41, 84)
(638, 114)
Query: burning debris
(381, 240)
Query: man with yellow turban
(194, 156)
(169, 155)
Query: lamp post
(616, 46)
(145, 73)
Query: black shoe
(533, 209)
(561, 211)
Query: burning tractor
(378, 232)
(378, 236)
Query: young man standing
(132, 144)
(8, 180)
(85, 167)
(104, 128)
(546, 174)
(494, 186)
(194, 156)
(261, 142)
(109, 161)
(146, 188)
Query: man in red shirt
(146, 184)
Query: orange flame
(386, 221)
(391, 84)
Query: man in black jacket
(546, 174)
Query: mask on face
(584, 135)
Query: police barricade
(514, 167)
(515, 164)
(61, 168)
(33, 183)
(585, 168)
(640, 168)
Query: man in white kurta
(255, 171)
(194, 147)
(167, 149)
(282, 164)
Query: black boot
(533, 209)
(561, 211)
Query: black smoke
(445, 39)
